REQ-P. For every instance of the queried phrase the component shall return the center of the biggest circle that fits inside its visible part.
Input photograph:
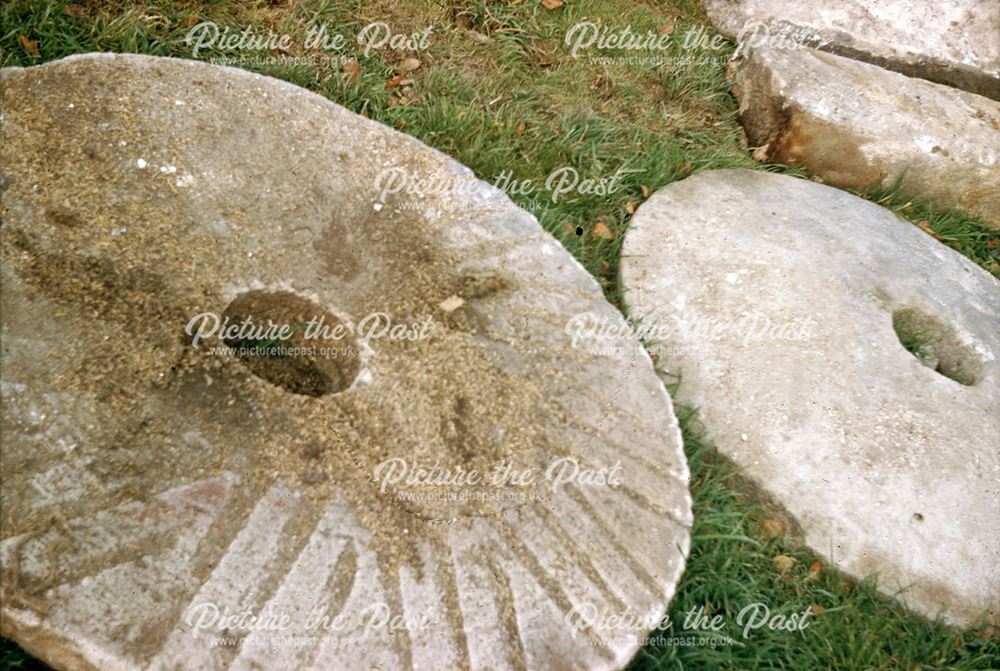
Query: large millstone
(151, 482)
(954, 42)
(861, 127)
(785, 306)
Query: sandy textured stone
(954, 42)
(778, 299)
(148, 480)
(860, 126)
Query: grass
(914, 341)
(13, 658)
(498, 89)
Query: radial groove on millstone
(156, 472)
(782, 303)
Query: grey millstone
(148, 481)
(778, 300)
(860, 127)
(954, 42)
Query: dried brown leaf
(783, 563)
(351, 71)
(31, 46)
(602, 230)
(772, 528)
(925, 227)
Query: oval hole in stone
(936, 345)
(326, 363)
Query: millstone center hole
(936, 345)
(291, 342)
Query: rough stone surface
(860, 126)
(954, 42)
(149, 480)
(778, 300)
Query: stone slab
(953, 42)
(778, 301)
(860, 127)
(172, 502)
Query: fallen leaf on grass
(393, 83)
(814, 570)
(552, 4)
(630, 207)
(666, 29)
(77, 11)
(783, 563)
(645, 190)
(925, 227)
(772, 528)
(405, 97)
(816, 609)
(351, 71)
(31, 46)
(521, 127)
(409, 64)
(601, 230)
